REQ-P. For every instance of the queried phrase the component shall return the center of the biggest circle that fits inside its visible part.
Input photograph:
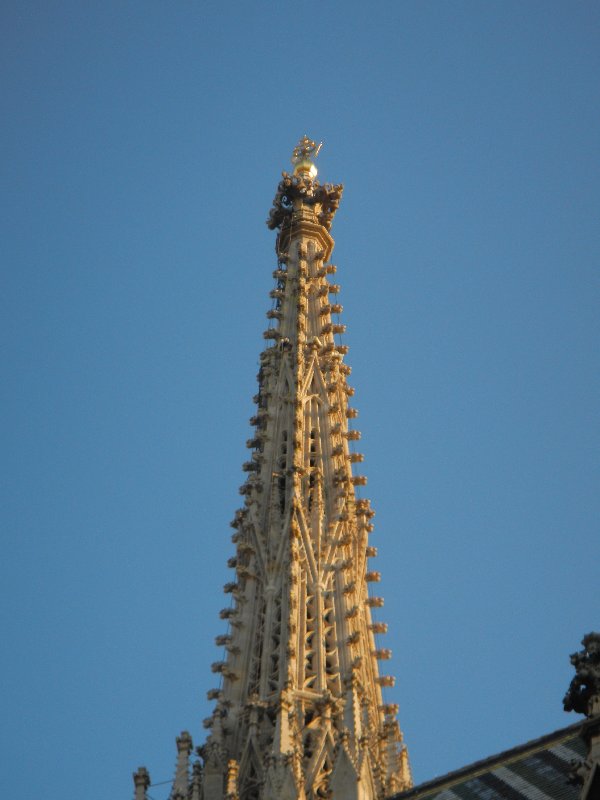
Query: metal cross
(306, 150)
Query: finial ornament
(300, 191)
(141, 780)
(303, 157)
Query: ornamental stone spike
(300, 712)
(196, 792)
(141, 782)
(181, 784)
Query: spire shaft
(300, 710)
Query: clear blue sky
(141, 145)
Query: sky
(141, 144)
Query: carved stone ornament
(583, 695)
(293, 190)
(579, 770)
(214, 754)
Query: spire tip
(304, 155)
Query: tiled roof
(537, 770)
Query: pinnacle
(299, 673)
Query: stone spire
(299, 712)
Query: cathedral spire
(299, 712)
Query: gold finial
(304, 155)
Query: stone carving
(297, 191)
(579, 770)
(583, 695)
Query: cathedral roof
(536, 770)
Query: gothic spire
(299, 711)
